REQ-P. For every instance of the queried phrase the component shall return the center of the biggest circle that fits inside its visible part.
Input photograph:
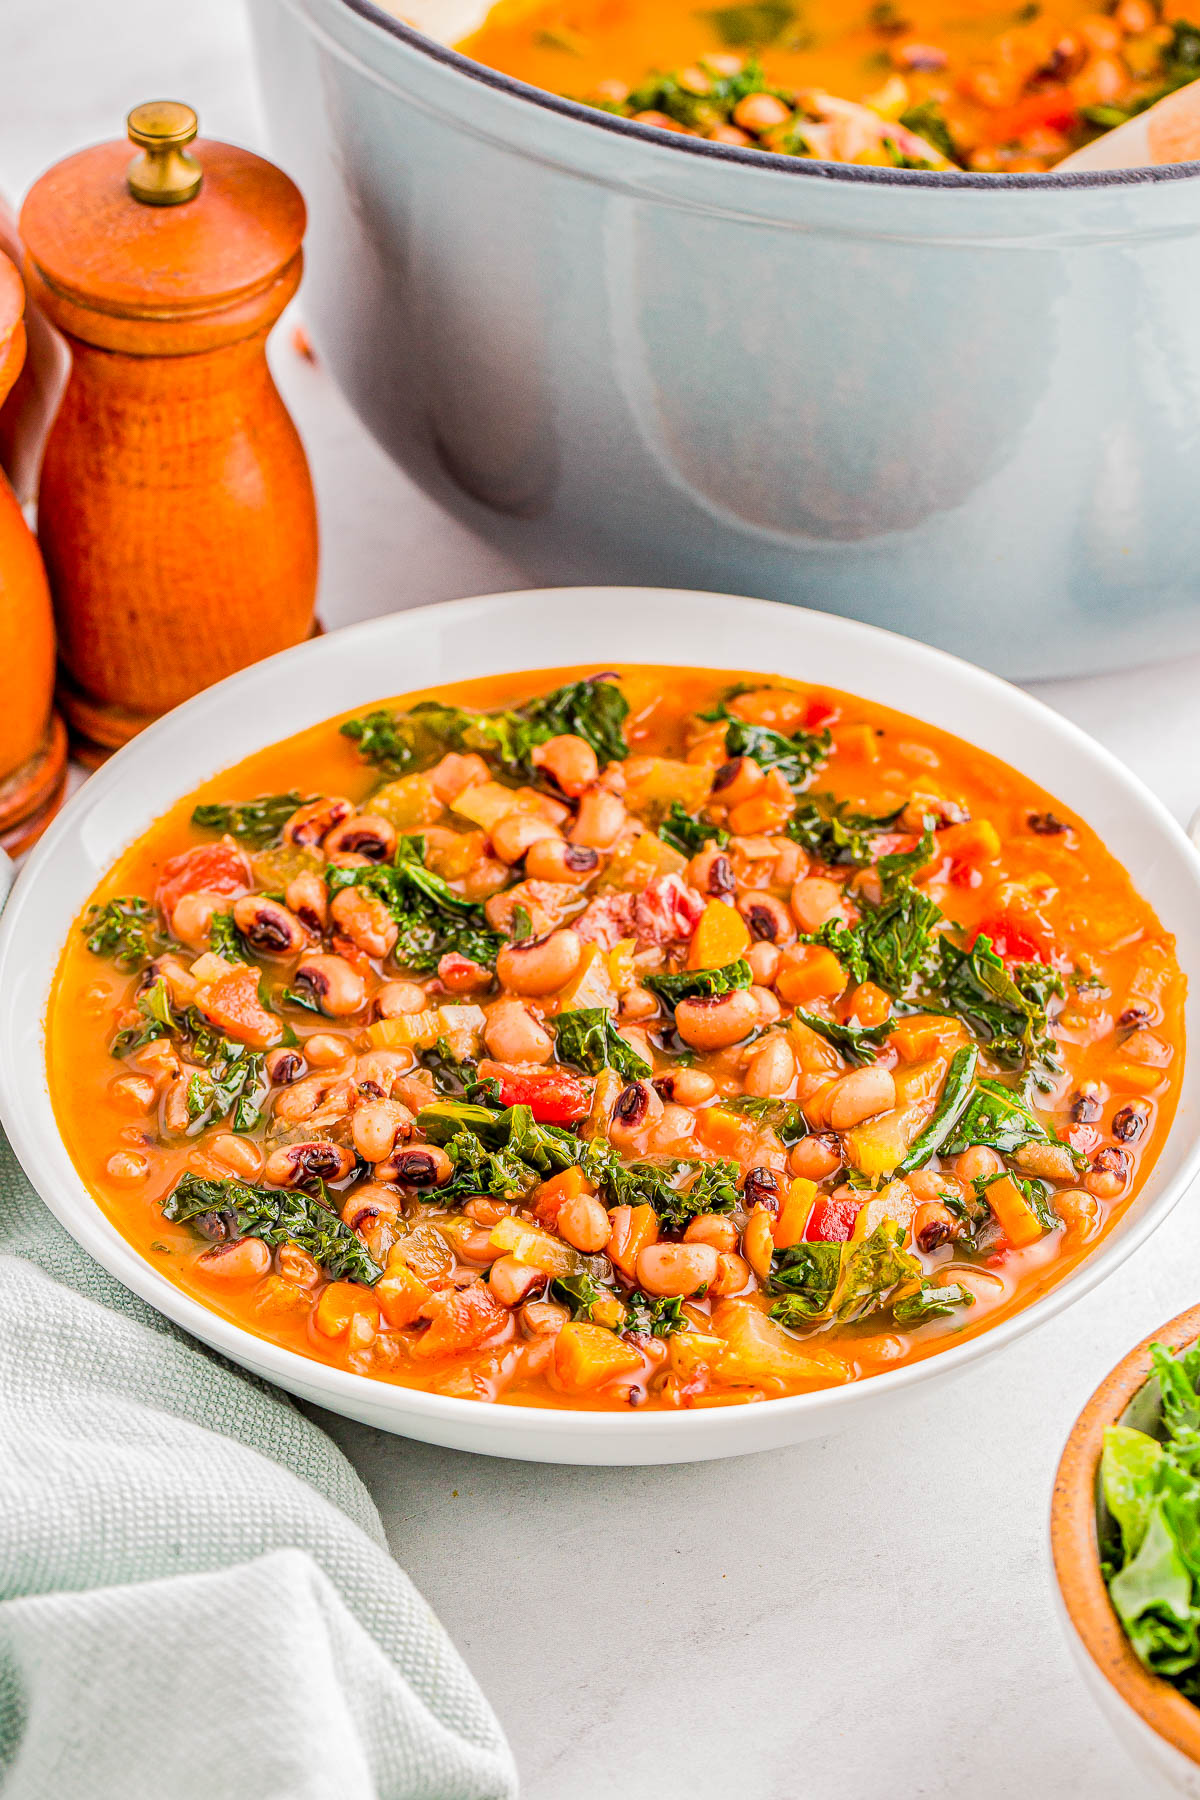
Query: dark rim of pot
(758, 159)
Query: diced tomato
(553, 1096)
(1053, 108)
(459, 1319)
(210, 869)
(1009, 940)
(831, 1221)
(820, 714)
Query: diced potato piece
(856, 743)
(636, 863)
(591, 985)
(725, 1133)
(758, 1349)
(813, 1052)
(621, 970)
(554, 1192)
(210, 967)
(275, 867)
(586, 1356)
(401, 1294)
(340, 1304)
(462, 1027)
(408, 1031)
(490, 801)
(877, 1146)
(927, 1034)
(654, 782)
(690, 1351)
(424, 1250)
(809, 972)
(793, 1214)
(407, 803)
(721, 937)
(895, 1202)
(977, 841)
(531, 1245)
(920, 1081)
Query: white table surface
(869, 1616)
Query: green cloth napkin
(196, 1598)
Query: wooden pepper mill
(176, 511)
(33, 743)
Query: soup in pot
(899, 83)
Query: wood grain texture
(31, 757)
(176, 512)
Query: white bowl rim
(28, 1116)
(794, 167)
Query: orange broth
(1059, 889)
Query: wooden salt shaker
(176, 511)
(33, 744)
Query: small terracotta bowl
(1160, 1729)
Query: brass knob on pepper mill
(176, 511)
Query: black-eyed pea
(862, 1094)
(737, 780)
(128, 1167)
(362, 834)
(284, 1066)
(582, 1222)
(933, 1224)
(338, 989)
(455, 773)
(758, 1243)
(815, 1157)
(424, 1166)
(712, 1228)
(364, 918)
(542, 1318)
(716, 1023)
(1146, 1047)
(675, 1125)
(513, 1282)
(1078, 1210)
(325, 1050)
(767, 919)
(552, 859)
(978, 1164)
(513, 836)
(814, 899)
(599, 820)
(638, 1003)
(133, 1093)
(732, 1276)
(686, 1087)
(239, 1261)
(771, 1069)
(308, 898)
(397, 997)
(513, 1035)
(293, 1165)
(379, 1127)
(670, 1270)
(269, 928)
(240, 1155)
(764, 963)
(769, 1008)
(711, 872)
(486, 1211)
(367, 1204)
(1109, 1173)
(570, 761)
(192, 917)
(636, 1111)
(311, 823)
(539, 966)
(297, 1266)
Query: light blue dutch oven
(966, 407)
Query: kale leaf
(784, 1117)
(123, 930)
(257, 822)
(653, 1317)
(433, 920)
(1000, 1118)
(840, 1281)
(579, 1292)
(678, 1188)
(158, 1020)
(277, 1216)
(797, 758)
(224, 937)
(857, 1043)
(931, 1302)
(1005, 1006)
(688, 832)
(846, 945)
(234, 1078)
(752, 24)
(832, 834)
(928, 120)
(588, 1038)
(693, 984)
(593, 709)
(499, 1151)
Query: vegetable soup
(901, 83)
(656, 1038)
